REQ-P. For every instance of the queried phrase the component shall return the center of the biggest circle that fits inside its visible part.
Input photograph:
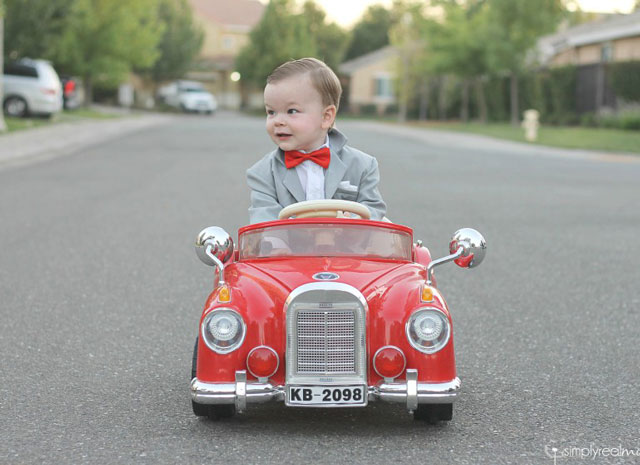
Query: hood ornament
(325, 276)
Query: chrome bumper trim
(239, 393)
(409, 392)
(413, 393)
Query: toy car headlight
(223, 330)
(428, 330)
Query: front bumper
(241, 393)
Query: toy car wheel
(433, 413)
(215, 412)
(194, 360)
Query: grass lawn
(608, 140)
(17, 124)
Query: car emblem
(325, 276)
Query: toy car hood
(358, 273)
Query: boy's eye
(270, 112)
(292, 111)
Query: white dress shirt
(311, 176)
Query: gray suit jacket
(352, 175)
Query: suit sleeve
(368, 193)
(264, 204)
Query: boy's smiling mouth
(282, 135)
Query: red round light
(389, 362)
(262, 362)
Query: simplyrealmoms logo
(592, 452)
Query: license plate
(326, 395)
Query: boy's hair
(322, 77)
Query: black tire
(16, 106)
(433, 413)
(214, 412)
(200, 410)
(194, 360)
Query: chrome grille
(326, 335)
(326, 342)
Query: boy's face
(296, 117)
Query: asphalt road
(101, 291)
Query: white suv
(31, 87)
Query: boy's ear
(328, 117)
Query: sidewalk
(30, 145)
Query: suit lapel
(291, 181)
(337, 168)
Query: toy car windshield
(342, 238)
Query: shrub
(628, 120)
(368, 109)
(589, 120)
(497, 97)
(391, 110)
(624, 79)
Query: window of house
(606, 52)
(383, 86)
(228, 42)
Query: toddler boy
(312, 160)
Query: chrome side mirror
(221, 245)
(467, 249)
(214, 247)
(474, 247)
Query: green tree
(281, 35)
(104, 40)
(180, 43)
(33, 27)
(404, 35)
(371, 32)
(515, 26)
(330, 39)
(456, 45)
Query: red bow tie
(321, 157)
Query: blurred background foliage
(287, 32)
(458, 59)
(104, 40)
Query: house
(591, 47)
(226, 25)
(369, 82)
(612, 38)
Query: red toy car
(326, 312)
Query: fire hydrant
(530, 124)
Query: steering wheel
(331, 208)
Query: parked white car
(190, 96)
(31, 87)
